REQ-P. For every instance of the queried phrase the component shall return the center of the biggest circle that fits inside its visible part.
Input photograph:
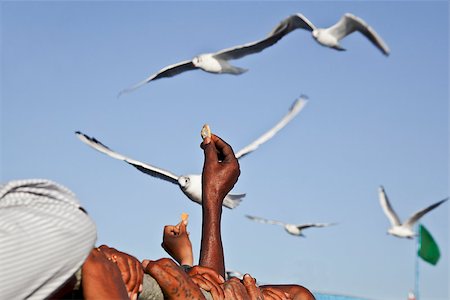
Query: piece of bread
(184, 217)
(206, 131)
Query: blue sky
(370, 120)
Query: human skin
(252, 289)
(102, 278)
(177, 244)
(130, 268)
(235, 290)
(220, 174)
(297, 292)
(173, 280)
(209, 280)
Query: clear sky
(371, 120)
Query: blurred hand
(234, 290)
(291, 291)
(252, 289)
(274, 294)
(209, 280)
(102, 278)
(172, 279)
(220, 170)
(177, 244)
(205, 271)
(130, 268)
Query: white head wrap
(44, 238)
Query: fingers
(129, 274)
(216, 277)
(225, 150)
(252, 290)
(216, 291)
(275, 294)
(145, 263)
(125, 272)
(209, 286)
(174, 282)
(157, 271)
(210, 152)
(130, 269)
(133, 283)
(171, 230)
(235, 290)
(139, 277)
(183, 228)
(102, 278)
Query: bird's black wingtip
(119, 94)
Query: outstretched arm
(220, 174)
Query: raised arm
(220, 174)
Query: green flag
(428, 249)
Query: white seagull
(398, 229)
(331, 36)
(217, 62)
(191, 185)
(294, 229)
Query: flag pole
(416, 277)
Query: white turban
(45, 237)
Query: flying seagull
(294, 229)
(331, 36)
(216, 63)
(191, 185)
(398, 229)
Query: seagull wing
(350, 23)
(168, 71)
(415, 217)
(293, 111)
(294, 22)
(143, 167)
(265, 221)
(303, 226)
(250, 48)
(387, 208)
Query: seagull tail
(232, 200)
(339, 48)
(236, 70)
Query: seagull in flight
(331, 36)
(398, 229)
(216, 63)
(294, 229)
(191, 185)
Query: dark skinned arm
(220, 174)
